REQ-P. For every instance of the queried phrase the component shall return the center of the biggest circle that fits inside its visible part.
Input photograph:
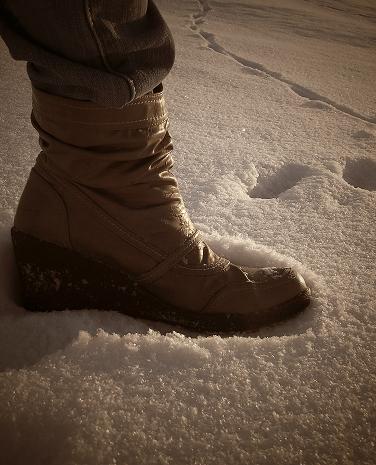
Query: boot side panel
(93, 232)
(42, 212)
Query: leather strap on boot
(74, 119)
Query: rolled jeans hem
(105, 51)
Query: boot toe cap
(276, 285)
(269, 295)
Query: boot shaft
(120, 162)
(102, 147)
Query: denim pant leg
(105, 51)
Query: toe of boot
(274, 286)
(270, 295)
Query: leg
(105, 51)
(101, 223)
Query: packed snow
(273, 113)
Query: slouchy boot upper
(102, 186)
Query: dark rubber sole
(56, 278)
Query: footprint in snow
(361, 173)
(270, 187)
(362, 135)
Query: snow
(273, 113)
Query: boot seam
(170, 261)
(88, 105)
(142, 102)
(75, 111)
(91, 105)
(163, 259)
(60, 197)
(221, 265)
(156, 120)
(107, 220)
(123, 231)
(166, 263)
(160, 120)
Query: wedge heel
(55, 278)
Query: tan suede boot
(101, 224)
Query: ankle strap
(144, 111)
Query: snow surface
(273, 109)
